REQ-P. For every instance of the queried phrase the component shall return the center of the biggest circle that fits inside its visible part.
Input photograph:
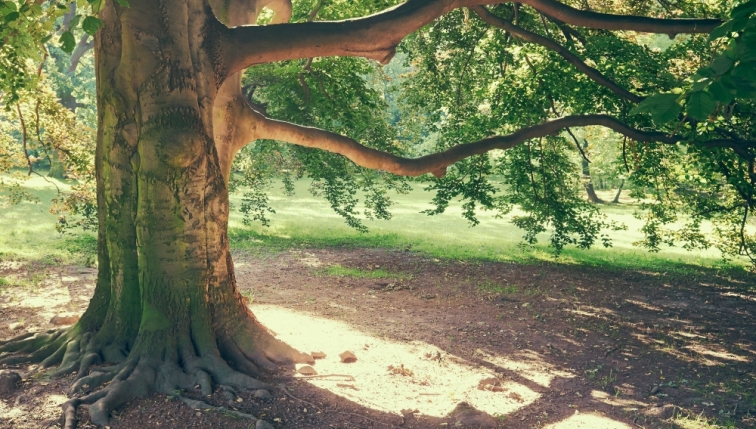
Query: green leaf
(74, 22)
(91, 25)
(96, 5)
(12, 17)
(700, 105)
(721, 31)
(662, 107)
(744, 9)
(123, 3)
(67, 42)
(46, 39)
(11, 5)
(721, 64)
(721, 93)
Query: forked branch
(551, 44)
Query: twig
(283, 389)
(347, 376)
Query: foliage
(456, 80)
(461, 80)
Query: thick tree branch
(604, 21)
(551, 44)
(436, 163)
(376, 36)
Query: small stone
(467, 416)
(307, 370)
(262, 424)
(318, 355)
(663, 412)
(16, 326)
(263, 394)
(9, 381)
(654, 390)
(64, 320)
(491, 384)
(348, 357)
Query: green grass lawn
(304, 220)
(28, 232)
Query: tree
(172, 116)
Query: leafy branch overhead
(508, 84)
(730, 76)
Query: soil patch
(443, 343)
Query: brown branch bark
(437, 163)
(376, 36)
(82, 48)
(551, 44)
(604, 21)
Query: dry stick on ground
(347, 376)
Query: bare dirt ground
(446, 344)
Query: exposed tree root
(165, 365)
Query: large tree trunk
(166, 306)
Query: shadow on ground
(519, 346)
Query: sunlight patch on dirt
(719, 354)
(31, 410)
(529, 365)
(431, 381)
(309, 259)
(587, 421)
(644, 305)
(627, 404)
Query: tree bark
(619, 191)
(592, 197)
(166, 308)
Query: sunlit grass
(304, 221)
(700, 422)
(28, 232)
(340, 271)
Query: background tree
(172, 114)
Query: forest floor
(444, 343)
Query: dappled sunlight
(530, 365)
(740, 295)
(719, 353)
(17, 412)
(425, 377)
(589, 311)
(617, 401)
(587, 421)
(44, 297)
(644, 305)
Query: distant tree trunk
(619, 191)
(592, 197)
(57, 169)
